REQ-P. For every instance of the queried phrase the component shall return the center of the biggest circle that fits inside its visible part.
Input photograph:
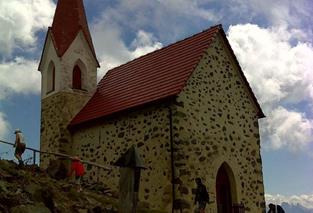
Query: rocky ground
(31, 190)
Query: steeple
(68, 20)
(68, 68)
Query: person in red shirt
(78, 168)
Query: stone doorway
(223, 191)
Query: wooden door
(223, 192)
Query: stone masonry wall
(215, 121)
(57, 111)
(148, 129)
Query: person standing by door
(202, 196)
(275, 208)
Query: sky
(273, 42)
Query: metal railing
(31, 149)
(59, 155)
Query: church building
(187, 107)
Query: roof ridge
(218, 27)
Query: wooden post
(130, 165)
(34, 157)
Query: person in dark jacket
(202, 196)
(275, 208)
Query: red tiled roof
(157, 75)
(69, 19)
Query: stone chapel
(187, 107)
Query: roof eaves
(44, 47)
(73, 125)
(90, 45)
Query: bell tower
(68, 68)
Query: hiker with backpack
(202, 196)
(78, 168)
(19, 146)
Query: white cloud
(169, 19)
(19, 76)
(276, 70)
(189, 8)
(4, 126)
(111, 49)
(304, 200)
(143, 44)
(21, 19)
(281, 75)
(283, 128)
(278, 13)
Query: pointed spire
(69, 19)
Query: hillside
(31, 190)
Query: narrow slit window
(77, 78)
(51, 78)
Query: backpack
(207, 196)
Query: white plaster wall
(49, 55)
(79, 50)
(78, 53)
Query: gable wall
(215, 121)
(148, 129)
(48, 56)
(79, 50)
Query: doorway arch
(225, 189)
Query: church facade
(187, 107)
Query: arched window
(51, 78)
(77, 78)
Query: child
(79, 170)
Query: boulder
(57, 169)
(3, 187)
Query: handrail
(60, 155)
